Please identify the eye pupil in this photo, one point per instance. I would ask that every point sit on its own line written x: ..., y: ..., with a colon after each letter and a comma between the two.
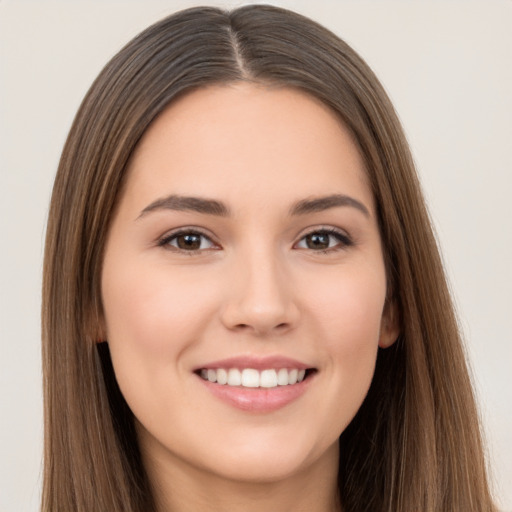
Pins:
x: 318, y: 241
x: 189, y: 241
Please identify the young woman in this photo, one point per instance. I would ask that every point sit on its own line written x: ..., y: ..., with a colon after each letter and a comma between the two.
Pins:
x: 244, y: 304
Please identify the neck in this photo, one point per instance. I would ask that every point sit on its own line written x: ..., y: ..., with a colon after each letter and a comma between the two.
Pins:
x: 179, y: 487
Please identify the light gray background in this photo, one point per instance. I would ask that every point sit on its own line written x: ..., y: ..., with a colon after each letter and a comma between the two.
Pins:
x: 447, y: 67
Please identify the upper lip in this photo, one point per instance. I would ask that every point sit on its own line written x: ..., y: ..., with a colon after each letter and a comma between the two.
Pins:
x: 257, y: 363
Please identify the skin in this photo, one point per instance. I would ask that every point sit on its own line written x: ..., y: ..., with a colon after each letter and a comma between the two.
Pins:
x: 256, y: 287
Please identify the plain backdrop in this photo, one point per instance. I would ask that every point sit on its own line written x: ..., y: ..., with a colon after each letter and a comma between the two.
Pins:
x: 447, y: 67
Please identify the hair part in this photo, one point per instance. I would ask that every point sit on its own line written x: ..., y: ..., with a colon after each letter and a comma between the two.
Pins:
x: 415, y: 443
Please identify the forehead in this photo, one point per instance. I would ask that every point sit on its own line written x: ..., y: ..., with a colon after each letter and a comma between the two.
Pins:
x: 239, y: 140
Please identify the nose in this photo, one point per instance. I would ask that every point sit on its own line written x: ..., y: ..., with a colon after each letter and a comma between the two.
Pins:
x: 260, y: 299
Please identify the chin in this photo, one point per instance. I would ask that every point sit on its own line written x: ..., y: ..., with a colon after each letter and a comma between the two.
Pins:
x: 267, y: 461
x: 263, y: 469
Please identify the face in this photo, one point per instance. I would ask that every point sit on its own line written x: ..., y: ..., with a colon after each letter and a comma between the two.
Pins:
x: 244, y: 285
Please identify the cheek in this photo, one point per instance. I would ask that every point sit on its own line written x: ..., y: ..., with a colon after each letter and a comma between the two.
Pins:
x: 153, y: 308
x: 153, y: 316
x: 346, y: 319
x: 348, y: 308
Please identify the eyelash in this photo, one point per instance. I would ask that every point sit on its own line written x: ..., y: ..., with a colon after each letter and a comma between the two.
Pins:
x: 167, y: 239
x: 344, y: 241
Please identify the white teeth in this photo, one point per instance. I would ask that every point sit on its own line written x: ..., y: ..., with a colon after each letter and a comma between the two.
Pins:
x: 268, y: 379
x: 282, y: 377
x: 251, y: 378
x: 234, y: 377
x: 222, y: 376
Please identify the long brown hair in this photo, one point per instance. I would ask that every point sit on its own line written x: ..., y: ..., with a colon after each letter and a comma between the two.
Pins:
x: 415, y: 443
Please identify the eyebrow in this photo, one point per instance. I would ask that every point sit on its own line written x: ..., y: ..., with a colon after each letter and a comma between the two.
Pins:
x: 186, y: 203
x: 320, y: 204
x: 214, y: 207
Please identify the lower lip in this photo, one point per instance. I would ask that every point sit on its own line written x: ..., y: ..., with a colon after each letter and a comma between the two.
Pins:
x: 258, y: 400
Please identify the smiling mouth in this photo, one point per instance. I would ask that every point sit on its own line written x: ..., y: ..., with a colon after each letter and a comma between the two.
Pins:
x: 252, y: 378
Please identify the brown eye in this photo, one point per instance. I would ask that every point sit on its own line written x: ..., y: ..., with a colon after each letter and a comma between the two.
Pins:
x: 188, y: 241
x: 324, y: 240
x: 318, y: 241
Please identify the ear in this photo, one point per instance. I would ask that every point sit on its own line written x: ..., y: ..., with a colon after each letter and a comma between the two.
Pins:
x: 389, y: 325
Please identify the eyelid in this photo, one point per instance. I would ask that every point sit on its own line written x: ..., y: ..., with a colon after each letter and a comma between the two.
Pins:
x: 163, y: 241
x: 345, y: 240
